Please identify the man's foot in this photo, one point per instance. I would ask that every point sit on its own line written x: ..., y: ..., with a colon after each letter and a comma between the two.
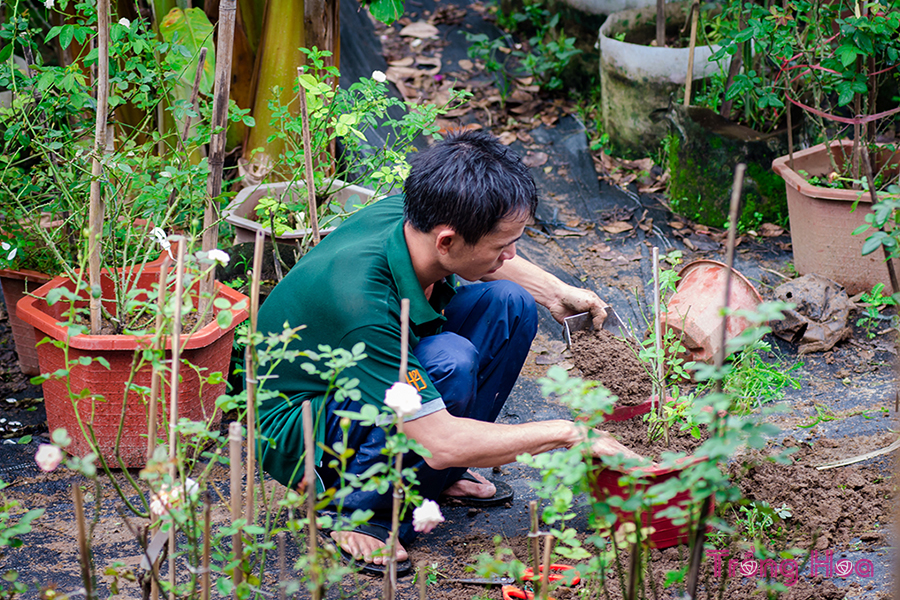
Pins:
x: 370, y: 549
x: 471, y: 489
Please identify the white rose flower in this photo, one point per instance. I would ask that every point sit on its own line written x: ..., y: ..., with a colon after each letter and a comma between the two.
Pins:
x: 220, y: 256
x: 379, y: 76
x: 170, y: 496
x: 427, y: 516
x: 403, y: 399
x: 48, y: 457
x: 48, y: 3
x: 124, y: 22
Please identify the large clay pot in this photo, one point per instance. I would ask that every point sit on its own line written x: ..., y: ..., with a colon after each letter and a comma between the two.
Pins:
x: 695, y: 311
x: 209, y: 349
x: 16, y: 284
x: 605, y: 483
x: 241, y: 212
x: 637, y: 79
x: 823, y: 220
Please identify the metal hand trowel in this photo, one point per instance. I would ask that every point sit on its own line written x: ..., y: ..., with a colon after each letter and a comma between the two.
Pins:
x: 583, y: 322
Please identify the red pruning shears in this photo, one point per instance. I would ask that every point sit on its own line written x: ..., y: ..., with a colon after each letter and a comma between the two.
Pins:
x: 558, y: 573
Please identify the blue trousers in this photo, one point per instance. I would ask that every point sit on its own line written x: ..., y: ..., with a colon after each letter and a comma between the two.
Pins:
x: 473, y: 363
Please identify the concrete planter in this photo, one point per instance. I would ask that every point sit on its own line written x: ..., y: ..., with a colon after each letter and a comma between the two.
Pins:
x: 636, y: 79
x: 241, y: 212
x: 822, y: 221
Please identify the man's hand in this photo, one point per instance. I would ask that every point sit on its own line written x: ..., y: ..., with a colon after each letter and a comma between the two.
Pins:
x: 571, y: 301
x: 606, y: 445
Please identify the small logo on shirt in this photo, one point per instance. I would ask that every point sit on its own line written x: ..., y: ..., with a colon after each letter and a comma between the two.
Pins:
x: 415, y: 379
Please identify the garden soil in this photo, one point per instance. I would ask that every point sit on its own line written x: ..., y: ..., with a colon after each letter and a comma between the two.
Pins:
x: 614, y: 362
x: 844, y: 405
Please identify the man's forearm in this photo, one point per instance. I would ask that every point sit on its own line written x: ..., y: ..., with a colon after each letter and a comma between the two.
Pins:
x: 457, y: 442
x: 536, y: 281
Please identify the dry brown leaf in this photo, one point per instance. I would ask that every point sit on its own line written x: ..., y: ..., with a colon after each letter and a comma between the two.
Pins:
x: 430, y: 61
x: 770, y: 230
x: 507, y: 137
x: 520, y: 97
x: 457, y: 112
x: 535, y: 159
x: 599, y: 248
x: 466, y: 64
x: 617, y: 227
x: 526, y: 81
x: 419, y: 29
x: 676, y: 225
x: 568, y: 233
x: 549, y: 120
x: 547, y: 359
x: 524, y: 137
x: 526, y: 108
x: 406, y: 61
x: 395, y: 74
x: 646, y: 225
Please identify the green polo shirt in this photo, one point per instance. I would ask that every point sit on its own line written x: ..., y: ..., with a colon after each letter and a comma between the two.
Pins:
x: 346, y: 290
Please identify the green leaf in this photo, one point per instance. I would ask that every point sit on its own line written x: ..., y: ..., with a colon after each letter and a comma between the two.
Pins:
x: 191, y: 29
x: 873, y: 243
x: 224, y: 319
x: 65, y: 36
x: 25, y: 439
x: 386, y: 11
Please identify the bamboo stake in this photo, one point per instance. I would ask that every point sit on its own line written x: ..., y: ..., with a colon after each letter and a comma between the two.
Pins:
x: 224, y: 48
x: 534, y: 534
x: 204, y: 574
x: 421, y: 578
x: 83, y: 549
x: 656, y: 405
x: 307, y: 155
x: 660, y: 23
x: 235, y: 440
x: 156, y: 376
x: 693, y: 576
x: 250, y: 375
x: 282, y: 566
x: 96, y: 208
x: 545, y: 574
x: 173, y: 397
x: 695, y: 16
x: 310, y: 478
x: 390, y: 578
x: 195, y: 93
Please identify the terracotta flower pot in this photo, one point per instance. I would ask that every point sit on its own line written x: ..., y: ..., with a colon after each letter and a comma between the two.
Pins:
x: 605, y: 483
x: 695, y: 311
x: 209, y: 349
x: 15, y: 285
x: 822, y: 220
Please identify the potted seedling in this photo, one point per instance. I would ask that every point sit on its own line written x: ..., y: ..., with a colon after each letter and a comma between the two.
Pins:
x: 353, y: 118
x: 105, y: 315
x: 843, y: 62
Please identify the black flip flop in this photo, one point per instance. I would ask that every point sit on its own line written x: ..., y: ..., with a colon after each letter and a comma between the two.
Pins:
x: 379, y: 533
x: 503, y: 495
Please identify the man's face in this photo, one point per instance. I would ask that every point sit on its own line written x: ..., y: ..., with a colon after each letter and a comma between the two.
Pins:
x: 472, y: 262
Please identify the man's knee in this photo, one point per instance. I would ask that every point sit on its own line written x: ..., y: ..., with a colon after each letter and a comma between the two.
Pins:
x: 519, y: 303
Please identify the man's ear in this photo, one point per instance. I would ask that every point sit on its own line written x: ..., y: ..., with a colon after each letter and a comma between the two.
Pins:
x: 445, y: 238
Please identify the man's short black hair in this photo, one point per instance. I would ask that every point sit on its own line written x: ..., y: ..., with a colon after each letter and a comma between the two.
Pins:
x: 468, y: 181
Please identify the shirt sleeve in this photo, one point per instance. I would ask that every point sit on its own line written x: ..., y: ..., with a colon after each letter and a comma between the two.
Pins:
x: 381, y: 368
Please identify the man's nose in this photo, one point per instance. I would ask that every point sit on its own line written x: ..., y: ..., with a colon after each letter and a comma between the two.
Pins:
x: 509, y: 253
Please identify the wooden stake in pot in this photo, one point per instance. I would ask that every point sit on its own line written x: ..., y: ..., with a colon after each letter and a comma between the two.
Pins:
x: 534, y: 534
x: 219, y: 123
x: 310, y: 479
x: 250, y: 366
x: 235, y: 441
x: 84, y: 556
x: 390, y: 575
x: 157, y: 376
x: 307, y: 154
x: 96, y: 207
x: 660, y: 23
x: 695, y: 16
x: 173, y: 390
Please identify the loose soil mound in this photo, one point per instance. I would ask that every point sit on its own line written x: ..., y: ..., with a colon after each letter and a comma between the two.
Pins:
x: 829, y: 508
x: 633, y: 434
x: 612, y: 361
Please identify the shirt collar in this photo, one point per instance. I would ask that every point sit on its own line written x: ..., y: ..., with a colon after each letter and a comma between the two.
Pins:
x: 420, y: 311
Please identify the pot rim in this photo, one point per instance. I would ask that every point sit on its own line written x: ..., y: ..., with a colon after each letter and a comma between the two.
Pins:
x: 702, y: 261
x: 29, y: 312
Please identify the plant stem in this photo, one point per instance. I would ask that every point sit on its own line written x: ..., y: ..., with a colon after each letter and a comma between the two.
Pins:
x: 95, y: 218
x: 310, y: 479
x: 204, y: 573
